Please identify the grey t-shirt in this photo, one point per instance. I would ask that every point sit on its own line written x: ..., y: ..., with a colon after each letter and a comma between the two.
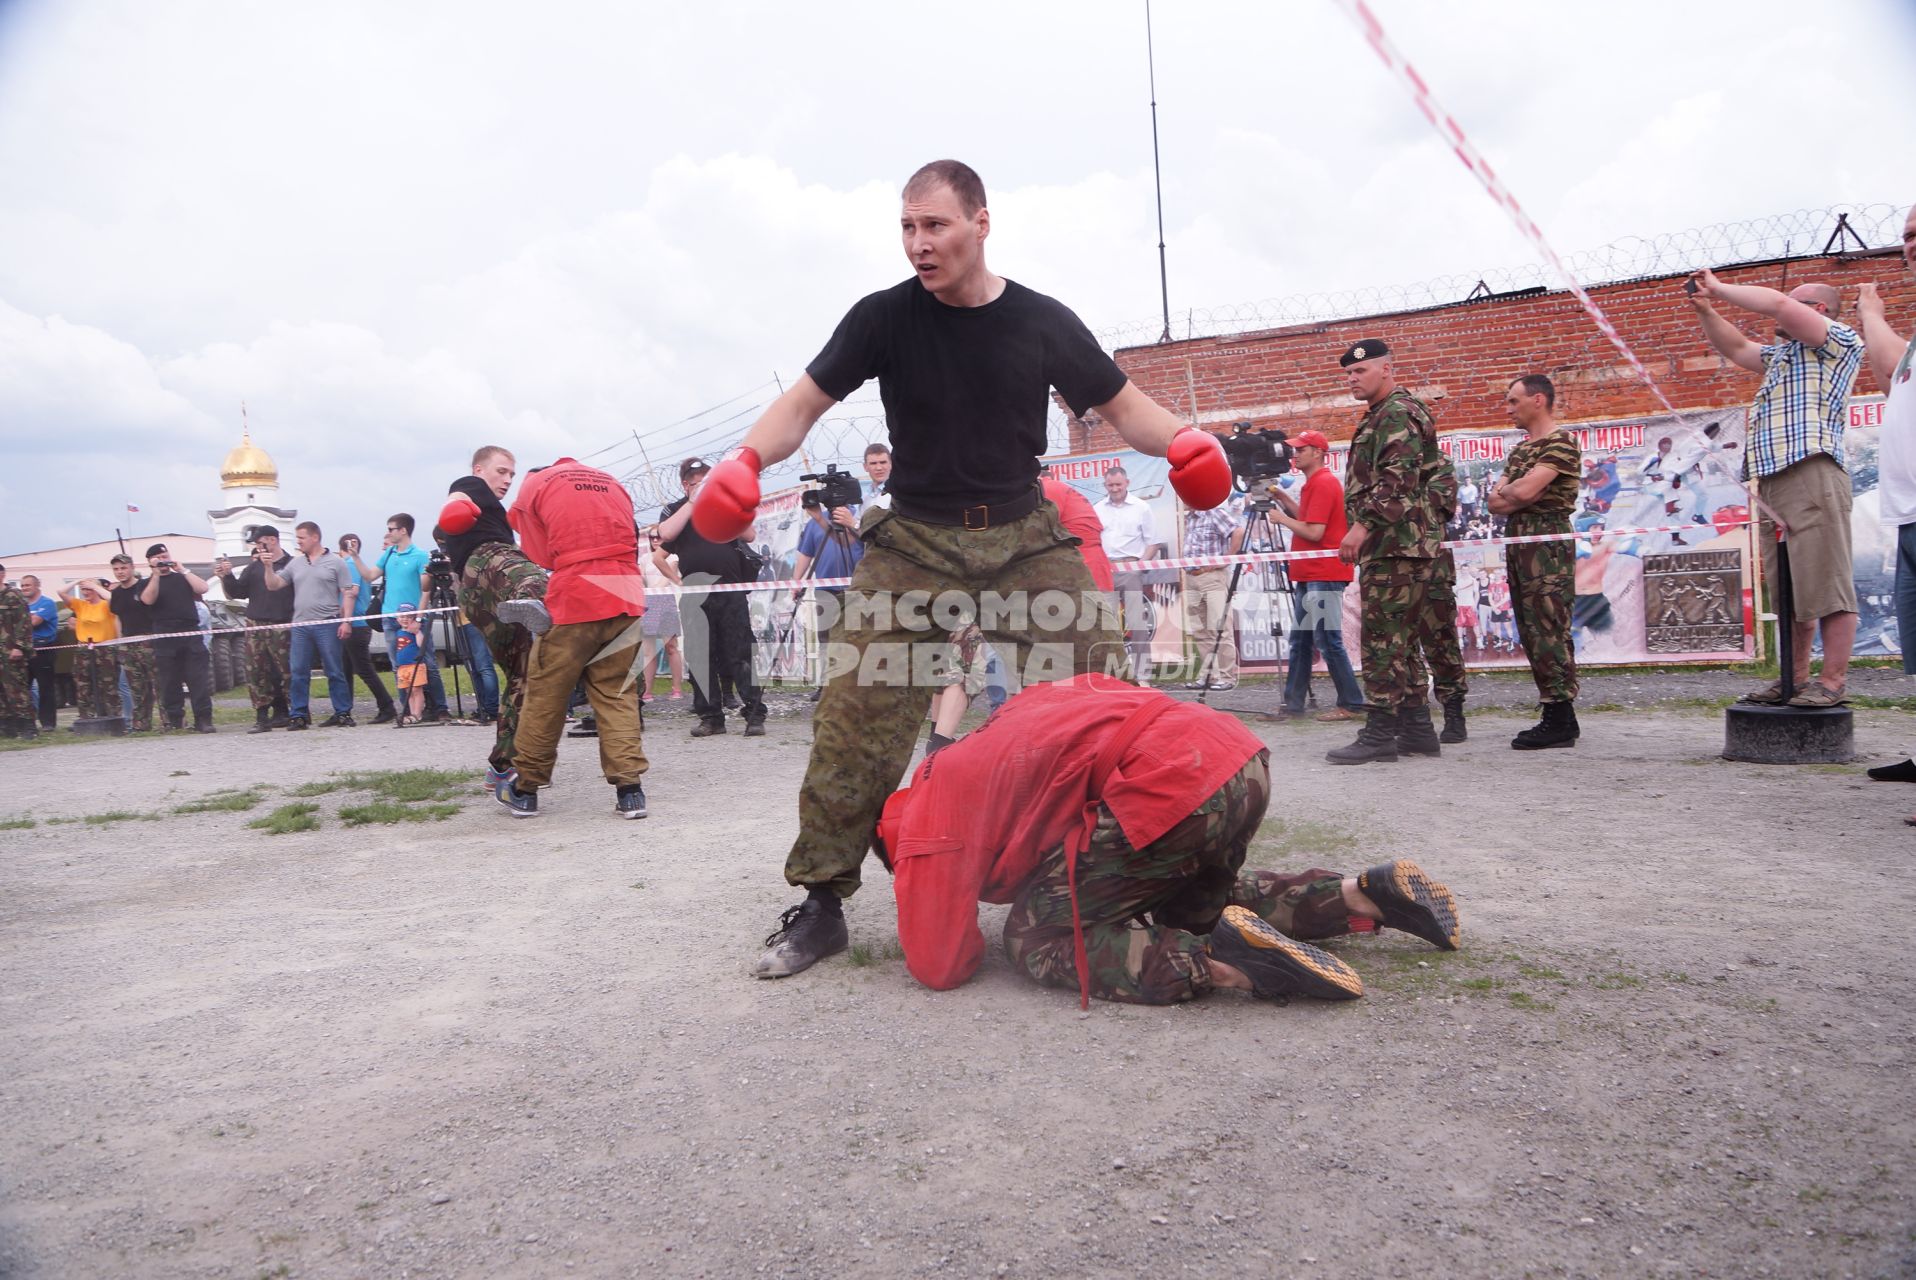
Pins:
x: 316, y: 586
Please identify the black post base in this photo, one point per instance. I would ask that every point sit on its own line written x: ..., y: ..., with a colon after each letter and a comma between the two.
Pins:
x: 1789, y: 735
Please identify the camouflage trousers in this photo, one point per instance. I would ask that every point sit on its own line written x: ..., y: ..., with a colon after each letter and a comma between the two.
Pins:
x: 499, y: 571
x: 1147, y: 912
x: 889, y: 651
x: 1394, y: 606
x: 1542, y: 589
x: 96, y: 683
x: 268, y: 661
x: 137, y: 661
x: 16, y: 703
x: 1437, y: 630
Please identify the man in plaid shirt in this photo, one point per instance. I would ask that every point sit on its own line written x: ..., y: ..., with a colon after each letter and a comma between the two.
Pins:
x: 1795, y: 453
x: 1217, y: 532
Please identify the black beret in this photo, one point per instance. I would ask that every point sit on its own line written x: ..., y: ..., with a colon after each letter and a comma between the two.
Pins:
x: 1363, y: 349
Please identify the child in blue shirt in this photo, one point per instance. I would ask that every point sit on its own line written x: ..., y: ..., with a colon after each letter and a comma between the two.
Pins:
x: 409, y: 667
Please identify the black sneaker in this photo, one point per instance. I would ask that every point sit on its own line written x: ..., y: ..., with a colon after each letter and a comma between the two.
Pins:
x: 586, y: 728
x: 520, y: 804
x: 1413, y: 902
x: 806, y: 934
x: 530, y: 614
x: 755, y: 729
x: 1280, y: 967
x: 1904, y: 772
x: 298, y: 722
x: 386, y: 716
x: 706, y: 728
x: 204, y: 728
x: 631, y: 801
x: 339, y: 720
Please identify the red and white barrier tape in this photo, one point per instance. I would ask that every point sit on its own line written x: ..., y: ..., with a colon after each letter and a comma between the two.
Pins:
x: 1273, y: 557
x: 1467, y: 155
x: 251, y: 626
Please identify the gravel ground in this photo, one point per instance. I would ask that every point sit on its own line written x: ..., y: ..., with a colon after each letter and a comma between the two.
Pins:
x: 1677, y: 1040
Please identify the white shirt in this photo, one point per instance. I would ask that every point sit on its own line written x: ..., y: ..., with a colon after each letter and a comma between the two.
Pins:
x: 1896, y: 447
x: 1128, y: 527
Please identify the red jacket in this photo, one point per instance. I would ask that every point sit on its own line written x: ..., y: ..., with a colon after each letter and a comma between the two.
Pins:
x: 577, y: 522
x: 1082, y: 521
x: 981, y: 813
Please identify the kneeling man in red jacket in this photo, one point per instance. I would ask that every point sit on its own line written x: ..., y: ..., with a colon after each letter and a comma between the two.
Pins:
x: 1115, y: 820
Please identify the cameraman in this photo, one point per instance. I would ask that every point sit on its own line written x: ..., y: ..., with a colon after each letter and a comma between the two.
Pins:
x: 1317, y: 523
x: 171, y: 592
x: 829, y: 546
x: 402, y: 568
x: 718, y: 633
x: 268, y: 642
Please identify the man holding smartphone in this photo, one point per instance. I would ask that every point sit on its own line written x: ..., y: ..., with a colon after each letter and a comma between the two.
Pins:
x: 183, y: 671
x: 268, y: 642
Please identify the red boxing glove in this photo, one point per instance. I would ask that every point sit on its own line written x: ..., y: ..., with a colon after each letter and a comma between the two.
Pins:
x: 1199, y: 470
x: 459, y: 514
x: 728, y: 500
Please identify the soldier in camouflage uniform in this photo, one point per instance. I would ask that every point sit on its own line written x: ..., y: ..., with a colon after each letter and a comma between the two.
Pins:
x: 136, y: 660
x: 966, y: 362
x: 16, y: 650
x: 1125, y: 877
x: 502, y: 592
x: 269, y: 644
x: 1398, y: 492
x: 1538, y: 495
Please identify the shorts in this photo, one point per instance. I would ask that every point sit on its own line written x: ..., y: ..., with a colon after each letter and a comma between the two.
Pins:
x: 1813, y: 497
x: 410, y: 675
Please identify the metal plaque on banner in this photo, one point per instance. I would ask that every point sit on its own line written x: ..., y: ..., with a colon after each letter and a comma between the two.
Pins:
x: 1692, y: 601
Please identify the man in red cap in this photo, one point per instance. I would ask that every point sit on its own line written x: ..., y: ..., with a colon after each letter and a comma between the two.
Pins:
x: 1115, y: 821
x: 1317, y: 522
x: 577, y: 521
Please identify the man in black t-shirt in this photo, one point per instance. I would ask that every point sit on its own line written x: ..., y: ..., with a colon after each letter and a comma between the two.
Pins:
x: 135, y: 619
x: 965, y: 361
x: 718, y: 634
x: 180, y: 662
x: 502, y: 592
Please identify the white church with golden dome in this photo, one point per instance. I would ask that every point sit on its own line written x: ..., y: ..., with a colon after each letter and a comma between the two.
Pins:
x: 250, y: 482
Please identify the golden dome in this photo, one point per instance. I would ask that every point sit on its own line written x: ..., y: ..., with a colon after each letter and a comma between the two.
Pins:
x: 248, y: 465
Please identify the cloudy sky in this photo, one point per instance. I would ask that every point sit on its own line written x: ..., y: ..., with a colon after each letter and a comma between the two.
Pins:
x: 398, y: 231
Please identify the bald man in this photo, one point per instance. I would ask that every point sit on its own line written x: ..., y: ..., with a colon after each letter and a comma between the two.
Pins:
x: 1795, y: 454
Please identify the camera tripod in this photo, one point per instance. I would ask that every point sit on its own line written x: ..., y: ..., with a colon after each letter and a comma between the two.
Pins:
x: 442, y: 595
x: 1274, y: 579
x: 837, y: 537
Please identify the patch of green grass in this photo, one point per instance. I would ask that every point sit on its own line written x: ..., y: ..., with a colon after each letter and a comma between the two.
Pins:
x: 17, y: 824
x: 1303, y: 836
x: 1675, y: 976
x: 1524, y: 1000
x: 230, y: 800
x: 408, y: 786
x: 1481, y: 984
x: 1529, y: 970
x: 288, y: 818
x: 860, y: 956
x: 319, y: 788
x: 1615, y: 981
x: 118, y: 815
x: 180, y: 773
x: 390, y: 811
x: 1813, y: 1194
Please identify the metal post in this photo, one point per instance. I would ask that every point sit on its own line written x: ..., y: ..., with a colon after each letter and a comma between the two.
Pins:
x: 1785, y: 621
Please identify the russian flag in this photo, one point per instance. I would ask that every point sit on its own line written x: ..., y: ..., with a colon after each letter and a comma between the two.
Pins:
x: 133, y: 510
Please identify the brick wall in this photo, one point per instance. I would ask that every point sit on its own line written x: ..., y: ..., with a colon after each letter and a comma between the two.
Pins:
x: 1462, y: 358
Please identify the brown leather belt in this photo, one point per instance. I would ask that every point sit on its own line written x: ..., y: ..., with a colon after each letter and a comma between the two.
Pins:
x: 982, y: 516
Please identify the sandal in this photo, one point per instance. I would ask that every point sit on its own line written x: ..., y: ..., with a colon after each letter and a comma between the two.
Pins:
x: 1769, y: 696
x: 1817, y: 694
x: 407, y: 722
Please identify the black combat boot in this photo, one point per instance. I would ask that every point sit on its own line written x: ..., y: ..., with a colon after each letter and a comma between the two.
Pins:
x: 1416, y: 736
x: 1377, y: 740
x: 279, y: 719
x: 1454, y: 730
x: 262, y: 720
x: 1558, y: 728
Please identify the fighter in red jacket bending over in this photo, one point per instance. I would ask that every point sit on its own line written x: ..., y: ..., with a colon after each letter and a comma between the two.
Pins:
x: 1091, y: 805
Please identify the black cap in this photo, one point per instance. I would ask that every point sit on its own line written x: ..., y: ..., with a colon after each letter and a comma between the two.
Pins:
x: 1363, y: 349
x: 157, y: 549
